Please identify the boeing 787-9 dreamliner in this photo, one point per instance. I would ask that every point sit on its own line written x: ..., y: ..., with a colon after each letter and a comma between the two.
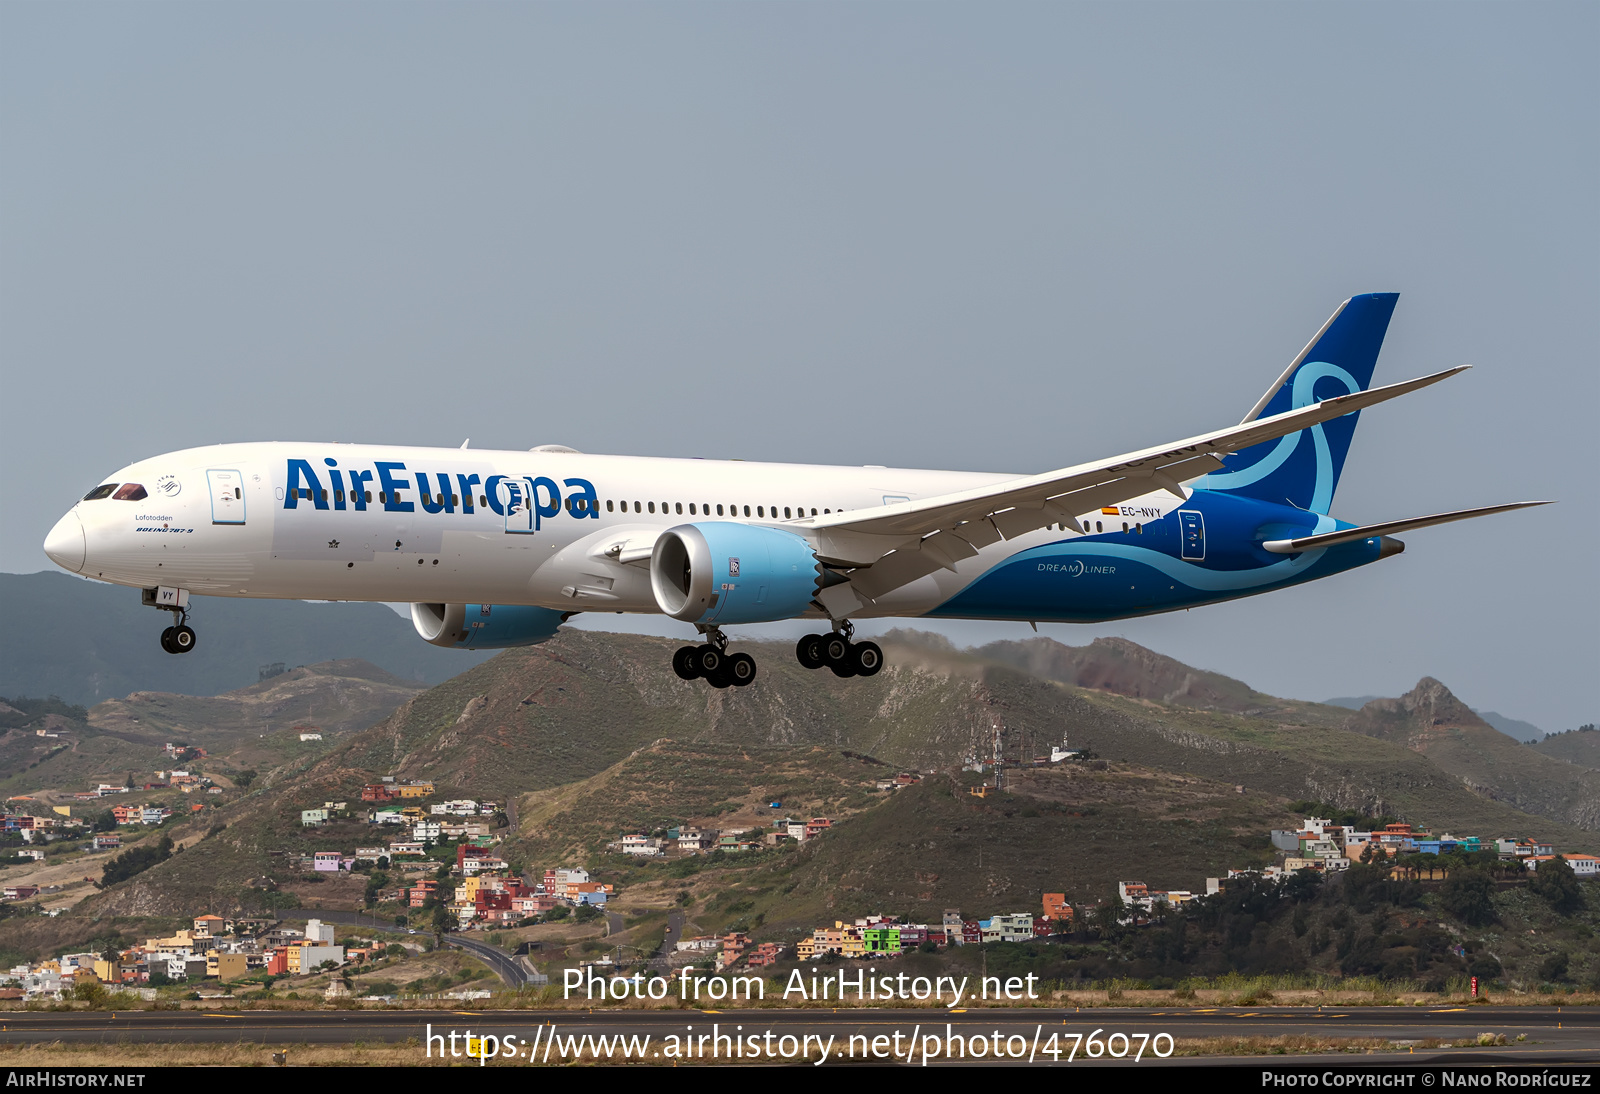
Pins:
x: 498, y: 548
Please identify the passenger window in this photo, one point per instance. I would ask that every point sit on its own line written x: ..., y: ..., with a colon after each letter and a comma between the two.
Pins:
x: 483, y: 500
x: 338, y: 496
x: 679, y: 508
x: 785, y: 512
x: 1139, y: 528
x: 760, y: 511
x: 813, y: 512
x: 1098, y: 527
x: 611, y: 506
x: 324, y: 497
x: 131, y: 491
x: 636, y: 507
x: 455, y: 500
x: 367, y: 496
x: 691, y: 509
x: 383, y: 496
x: 100, y: 492
x: 652, y: 507
x: 747, y: 510
x: 237, y: 493
x: 1124, y: 527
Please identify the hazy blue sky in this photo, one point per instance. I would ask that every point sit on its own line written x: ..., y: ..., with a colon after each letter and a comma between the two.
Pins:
x: 980, y: 236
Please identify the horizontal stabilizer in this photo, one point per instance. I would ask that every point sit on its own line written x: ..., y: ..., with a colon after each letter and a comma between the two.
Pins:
x: 1351, y: 535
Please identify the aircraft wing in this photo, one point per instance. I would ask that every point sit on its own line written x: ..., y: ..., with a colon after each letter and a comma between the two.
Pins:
x: 919, y: 537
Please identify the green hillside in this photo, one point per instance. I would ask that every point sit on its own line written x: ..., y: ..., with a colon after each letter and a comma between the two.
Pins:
x: 1431, y: 721
x: 257, y: 727
x: 667, y: 784
x: 589, y: 735
x: 1576, y: 746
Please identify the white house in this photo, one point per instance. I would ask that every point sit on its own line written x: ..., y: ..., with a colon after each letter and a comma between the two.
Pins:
x: 639, y: 845
x: 425, y: 830
x: 1583, y: 865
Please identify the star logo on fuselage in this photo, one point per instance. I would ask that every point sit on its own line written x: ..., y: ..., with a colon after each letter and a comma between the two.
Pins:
x: 333, y: 543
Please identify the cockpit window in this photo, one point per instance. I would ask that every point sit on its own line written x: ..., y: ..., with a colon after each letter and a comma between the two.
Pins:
x: 131, y: 491
x: 100, y: 492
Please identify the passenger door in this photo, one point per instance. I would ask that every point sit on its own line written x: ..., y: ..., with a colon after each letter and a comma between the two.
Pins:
x: 227, y: 496
x: 516, y: 498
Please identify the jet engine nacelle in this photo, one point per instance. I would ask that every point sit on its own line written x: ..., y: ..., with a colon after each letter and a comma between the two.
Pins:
x: 484, y: 626
x: 721, y: 572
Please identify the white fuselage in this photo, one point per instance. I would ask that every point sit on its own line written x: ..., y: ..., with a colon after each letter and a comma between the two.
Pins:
x: 222, y: 521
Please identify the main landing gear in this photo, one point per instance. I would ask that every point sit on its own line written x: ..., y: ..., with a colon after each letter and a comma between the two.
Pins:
x: 719, y: 668
x: 180, y: 637
x: 837, y: 652
x: 714, y: 663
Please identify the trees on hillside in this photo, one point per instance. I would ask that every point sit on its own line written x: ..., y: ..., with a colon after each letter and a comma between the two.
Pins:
x: 136, y: 861
x: 1466, y: 895
x: 1555, y: 881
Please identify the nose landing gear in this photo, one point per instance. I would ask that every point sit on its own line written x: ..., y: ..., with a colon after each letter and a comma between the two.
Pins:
x: 180, y: 637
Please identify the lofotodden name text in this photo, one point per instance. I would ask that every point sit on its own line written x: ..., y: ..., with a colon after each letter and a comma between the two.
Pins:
x: 841, y: 986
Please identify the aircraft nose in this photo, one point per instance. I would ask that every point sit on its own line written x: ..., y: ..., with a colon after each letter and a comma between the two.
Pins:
x: 64, y: 544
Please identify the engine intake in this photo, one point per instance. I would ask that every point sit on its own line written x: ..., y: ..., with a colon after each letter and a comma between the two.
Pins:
x: 721, y: 572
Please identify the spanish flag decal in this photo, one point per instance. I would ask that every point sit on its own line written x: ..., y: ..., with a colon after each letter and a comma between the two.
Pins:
x: 1111, y: 511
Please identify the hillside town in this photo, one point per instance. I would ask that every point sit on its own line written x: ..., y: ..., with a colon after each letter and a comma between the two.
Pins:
x: 1323, y: 846
x: 421, y: 879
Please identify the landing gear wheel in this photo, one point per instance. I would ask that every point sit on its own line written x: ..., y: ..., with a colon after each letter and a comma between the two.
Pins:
x: 711, y: 661
x: 182, y: 640
x: 843, y: 668
x: 808, y: 651
x: 686, y: 663
x: 166, y: 639
x: 835, y: 650
x: 741, y: 669
x: 866, y: 658
x: 721, y: 677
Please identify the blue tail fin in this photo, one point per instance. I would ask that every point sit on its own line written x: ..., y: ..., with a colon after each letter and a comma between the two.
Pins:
x: 1303, y: 468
